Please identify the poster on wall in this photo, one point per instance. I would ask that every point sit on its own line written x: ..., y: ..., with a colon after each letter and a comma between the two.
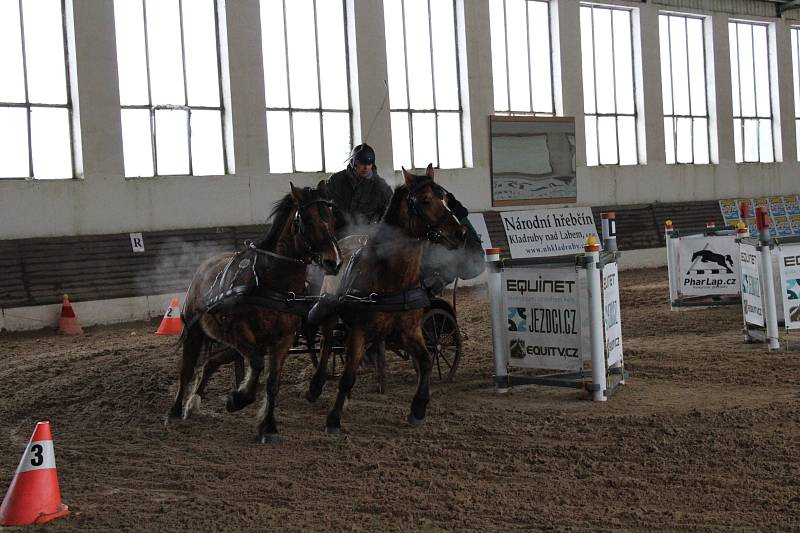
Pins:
x: 544, y: 318
x: 612, y: 318
x: 548, y: 232
x: 784, y: 213
x: 532, y: 160
x: 707, y: 266
x: 751, y: 285
x: 790, y: 284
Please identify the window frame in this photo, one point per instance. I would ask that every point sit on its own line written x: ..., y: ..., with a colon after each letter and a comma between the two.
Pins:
x: 409, y: 111
x: 319, y: 111
x: 185, y: 106
x: 532, y: 112
x: 616, y: 115
x: 691, y: 116
x: 755, y: 117
x: 29, y: 106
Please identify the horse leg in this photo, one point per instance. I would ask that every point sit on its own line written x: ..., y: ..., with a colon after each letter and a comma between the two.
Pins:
x: 380, y: 365
x: 192, y: 345
x: 355, y: 351
x: 245, y: 394
x: 415, y: 344
x: 321, y: 372
x: 213, y: 363
x: 267, y: 430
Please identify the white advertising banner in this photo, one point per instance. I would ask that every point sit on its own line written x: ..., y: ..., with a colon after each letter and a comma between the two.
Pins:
x: 790, y: 284
x: 548, y: 232
x: 612, y: 319
x: 751, y: 285
x: 707, y: 266
x: 544, y: 319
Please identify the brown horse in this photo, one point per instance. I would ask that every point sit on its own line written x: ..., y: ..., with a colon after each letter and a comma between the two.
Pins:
x: 268, y: 317
x: 382, y: 297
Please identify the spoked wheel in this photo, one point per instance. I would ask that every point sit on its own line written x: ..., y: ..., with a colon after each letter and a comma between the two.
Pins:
x: 443, y: 339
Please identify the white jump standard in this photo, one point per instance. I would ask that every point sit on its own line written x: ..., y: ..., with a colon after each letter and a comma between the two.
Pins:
x: 557, y: 313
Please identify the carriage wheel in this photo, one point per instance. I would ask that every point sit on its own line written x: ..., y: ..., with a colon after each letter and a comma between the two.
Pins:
x: 443, y: 339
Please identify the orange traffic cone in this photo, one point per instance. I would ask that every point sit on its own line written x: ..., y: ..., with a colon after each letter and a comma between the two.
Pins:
x: 34, y: 496
x: 68, y: 323
x: 171, y: 324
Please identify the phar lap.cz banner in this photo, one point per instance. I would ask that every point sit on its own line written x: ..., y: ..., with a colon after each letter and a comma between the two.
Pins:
x: 708, y: 266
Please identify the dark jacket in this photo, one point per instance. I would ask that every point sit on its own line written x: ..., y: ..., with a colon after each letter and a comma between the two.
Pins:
x: 358, y: 201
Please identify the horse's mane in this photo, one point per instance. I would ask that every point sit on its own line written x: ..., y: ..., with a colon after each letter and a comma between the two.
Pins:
x: 280, y: 211
x: 392, y: 214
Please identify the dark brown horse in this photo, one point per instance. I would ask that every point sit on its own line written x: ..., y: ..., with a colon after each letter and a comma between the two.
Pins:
x: 302, y: 231
x: 388, y: 272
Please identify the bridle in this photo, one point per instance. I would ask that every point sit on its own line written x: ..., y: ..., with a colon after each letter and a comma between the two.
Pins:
x: 432, y: 232
x: 313, y: 250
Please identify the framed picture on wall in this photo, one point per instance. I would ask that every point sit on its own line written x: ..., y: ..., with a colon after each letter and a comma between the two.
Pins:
x: 532, y: 160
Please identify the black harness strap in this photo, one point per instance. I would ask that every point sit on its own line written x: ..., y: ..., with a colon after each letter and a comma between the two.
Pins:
x: 406, y: 300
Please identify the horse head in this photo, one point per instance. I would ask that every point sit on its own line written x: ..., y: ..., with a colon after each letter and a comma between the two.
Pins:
x: 313, y: 227
x: 426, y: 211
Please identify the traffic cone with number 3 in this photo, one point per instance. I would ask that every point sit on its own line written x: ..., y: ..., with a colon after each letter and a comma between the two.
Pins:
x: 171, y: 324
x: 34, y: 496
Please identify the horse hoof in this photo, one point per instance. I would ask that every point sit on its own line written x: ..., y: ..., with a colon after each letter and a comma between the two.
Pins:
x: 236, y: 402
x: 414, y: 421
x: 269, y: 438
x: 312, y: 396
x: 192, y: 405
x: 380, y: 389
x: 333, y: 430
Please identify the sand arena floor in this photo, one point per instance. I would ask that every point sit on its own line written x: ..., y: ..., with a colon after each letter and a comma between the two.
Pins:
x: 705, y: 435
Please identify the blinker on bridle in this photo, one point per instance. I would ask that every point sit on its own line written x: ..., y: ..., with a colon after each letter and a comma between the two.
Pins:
x: 432, y: 232
x: 299, y: 227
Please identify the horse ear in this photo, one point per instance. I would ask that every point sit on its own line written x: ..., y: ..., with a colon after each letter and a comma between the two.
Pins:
x: 297, y: 194
x: 429, y: 171
x: 322, y: 188
x: 408, y: 177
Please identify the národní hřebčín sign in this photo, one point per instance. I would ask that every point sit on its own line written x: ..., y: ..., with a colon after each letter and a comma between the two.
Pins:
x: 548, y: 232
x: 544, y: 317
x: 708, y: 265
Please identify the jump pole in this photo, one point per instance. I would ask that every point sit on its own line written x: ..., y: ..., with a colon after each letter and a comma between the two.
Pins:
x: 673, y: 283
x: 495, y: 301
x: 768, y: 284
x: 592, y: 249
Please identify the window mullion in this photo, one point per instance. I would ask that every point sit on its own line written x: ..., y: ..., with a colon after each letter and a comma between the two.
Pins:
x: 594, y: 75
x: 288, y: 85
x: 528, y: 46
x: 25, y: 84
x: 614, y: 84
x: 408, y: 92
x: 150, y: 108
x: 508, y: 68
x: 755, y: 97
x: 185, y: 90
x: 689, y: 85
x: 674, y: 120
x: 739, y: 84
x: 319, y: 87
x: 433, y: 84
x: 458, y: 83
x: 347, y: 67
x: 219, y: 83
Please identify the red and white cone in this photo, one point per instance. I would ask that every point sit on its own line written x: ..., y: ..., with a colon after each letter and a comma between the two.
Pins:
x: 68, y: 323
x: 171, y: 324
x: 34, y: 496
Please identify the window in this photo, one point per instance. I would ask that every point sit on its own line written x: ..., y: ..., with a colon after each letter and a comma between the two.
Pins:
x: 424, y: 92
x: 35, y: 107
x: 684, y: 88
x: 752, y: 93
x: 307, y: 84
x: 795, y: 33
x: 522, y: 56
x: 169, y: 87
x: 608, y: 86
